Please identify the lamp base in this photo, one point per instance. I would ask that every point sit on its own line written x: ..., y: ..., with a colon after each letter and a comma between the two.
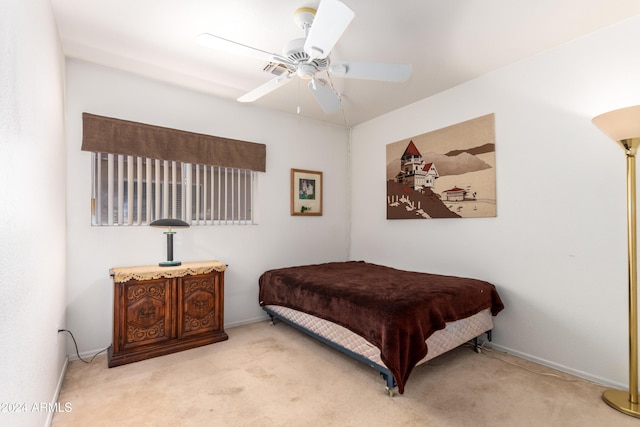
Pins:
x: 620, y: 400
x: 170, y: 263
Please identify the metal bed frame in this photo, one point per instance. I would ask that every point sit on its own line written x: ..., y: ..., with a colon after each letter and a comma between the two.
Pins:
x: 383, y: 370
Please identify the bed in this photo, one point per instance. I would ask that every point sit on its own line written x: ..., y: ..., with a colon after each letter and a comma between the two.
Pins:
x: 391, y: 319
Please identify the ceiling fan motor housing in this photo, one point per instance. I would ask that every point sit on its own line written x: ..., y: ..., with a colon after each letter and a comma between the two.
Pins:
x: 294, y: 52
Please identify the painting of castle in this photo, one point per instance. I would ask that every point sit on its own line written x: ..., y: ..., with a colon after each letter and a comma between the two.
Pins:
x: 447, y: 173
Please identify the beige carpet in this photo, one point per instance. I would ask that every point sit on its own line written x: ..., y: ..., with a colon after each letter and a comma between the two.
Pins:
x: 275, y: 376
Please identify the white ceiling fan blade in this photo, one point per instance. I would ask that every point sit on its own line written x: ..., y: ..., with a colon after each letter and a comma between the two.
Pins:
x: 220, y: 43
x: 326, y: 97
x: 372, y: 71
x: 266, y: 88
x: 331, y: 20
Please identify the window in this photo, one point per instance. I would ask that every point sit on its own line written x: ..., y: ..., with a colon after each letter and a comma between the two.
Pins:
x: 133, y: 190
x: 143, y: 172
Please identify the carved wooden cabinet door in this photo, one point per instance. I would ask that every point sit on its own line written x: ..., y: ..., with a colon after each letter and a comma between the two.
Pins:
x: 200, y: 301
x: 161, y: 310
x: 146, y: 316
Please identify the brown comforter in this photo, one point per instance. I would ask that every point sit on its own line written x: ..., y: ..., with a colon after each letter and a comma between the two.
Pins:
x: 395, y: 310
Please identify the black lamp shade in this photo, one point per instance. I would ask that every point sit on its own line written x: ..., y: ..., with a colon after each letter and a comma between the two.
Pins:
x: 169, y: 223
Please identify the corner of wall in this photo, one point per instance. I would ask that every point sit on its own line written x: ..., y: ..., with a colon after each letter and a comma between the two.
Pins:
x: 349, y: 190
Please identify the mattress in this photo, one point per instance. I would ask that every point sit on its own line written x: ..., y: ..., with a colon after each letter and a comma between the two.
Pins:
x: 441, y: 341
x: 394, y: 310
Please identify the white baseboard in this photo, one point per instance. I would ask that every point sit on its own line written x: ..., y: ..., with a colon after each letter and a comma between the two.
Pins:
x: 56, y: 392
x: 247, y: 321
x: 562, y: 368
x: 87, y: 355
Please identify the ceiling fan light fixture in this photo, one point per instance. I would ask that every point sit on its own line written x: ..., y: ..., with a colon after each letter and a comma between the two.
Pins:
x: 306, y: 71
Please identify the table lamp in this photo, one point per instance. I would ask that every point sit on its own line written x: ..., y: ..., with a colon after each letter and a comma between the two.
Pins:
x: 169, y: 223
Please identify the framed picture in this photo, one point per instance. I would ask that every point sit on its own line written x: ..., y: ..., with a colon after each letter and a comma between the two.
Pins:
x: 446, y: 173
x: 306, y: 192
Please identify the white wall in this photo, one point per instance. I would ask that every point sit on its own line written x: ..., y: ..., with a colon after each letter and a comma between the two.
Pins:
x: 32, y: 211
x: 278, y: 240
x: 557, y: 248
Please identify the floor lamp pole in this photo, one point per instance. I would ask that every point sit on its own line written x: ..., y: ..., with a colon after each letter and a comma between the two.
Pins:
x: 623, y: 126
x: 627, y: 402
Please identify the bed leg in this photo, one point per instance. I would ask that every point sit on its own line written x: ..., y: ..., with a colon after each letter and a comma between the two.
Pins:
x: 476, y: 346
x: 273, y: 320
x: 391, y: 383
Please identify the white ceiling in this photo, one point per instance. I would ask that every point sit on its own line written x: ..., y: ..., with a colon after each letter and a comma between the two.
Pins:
x: 447, y: 42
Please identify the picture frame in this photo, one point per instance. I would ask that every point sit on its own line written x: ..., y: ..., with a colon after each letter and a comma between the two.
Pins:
x: 306, y: 192
x: 445, y: 173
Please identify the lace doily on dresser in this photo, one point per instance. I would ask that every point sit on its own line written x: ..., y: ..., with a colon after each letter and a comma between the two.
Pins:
x: 146, y: 272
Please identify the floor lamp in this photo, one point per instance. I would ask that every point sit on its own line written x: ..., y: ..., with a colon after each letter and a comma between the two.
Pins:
x: 623, y: 126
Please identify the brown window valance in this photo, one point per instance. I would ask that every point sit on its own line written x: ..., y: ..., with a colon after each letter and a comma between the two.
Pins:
x: 108, y: 135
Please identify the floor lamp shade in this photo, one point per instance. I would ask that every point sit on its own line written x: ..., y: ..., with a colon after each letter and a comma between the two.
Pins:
x: 169, y: 223
x: 623, y: 126
x: 620, y: 124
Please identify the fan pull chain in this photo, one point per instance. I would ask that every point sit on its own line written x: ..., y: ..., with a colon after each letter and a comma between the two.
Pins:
x: 298, y: 108
x: 333, y: 88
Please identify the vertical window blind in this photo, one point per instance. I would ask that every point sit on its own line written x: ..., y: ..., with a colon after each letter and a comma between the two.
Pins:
x: 130, y: 188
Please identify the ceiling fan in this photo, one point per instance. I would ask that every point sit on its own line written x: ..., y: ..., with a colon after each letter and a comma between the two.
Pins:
x: 306, y: 57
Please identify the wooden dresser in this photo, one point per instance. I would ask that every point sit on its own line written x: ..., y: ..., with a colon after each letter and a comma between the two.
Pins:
x: 162, y: 310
